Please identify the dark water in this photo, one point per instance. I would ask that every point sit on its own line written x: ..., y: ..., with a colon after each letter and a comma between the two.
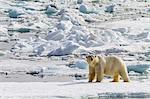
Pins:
x: 119, y: 96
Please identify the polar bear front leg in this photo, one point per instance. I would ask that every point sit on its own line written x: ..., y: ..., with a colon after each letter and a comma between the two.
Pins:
x: 91, y: 74
x: 91, y: 77
x: 99, y: 74
x: 99, y: 77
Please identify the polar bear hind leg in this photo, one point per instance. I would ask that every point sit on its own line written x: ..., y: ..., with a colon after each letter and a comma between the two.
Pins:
x: 124, y: 75
x: 116, y: 77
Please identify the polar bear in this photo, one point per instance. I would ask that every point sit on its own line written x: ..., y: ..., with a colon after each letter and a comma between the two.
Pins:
x: 107, y: 65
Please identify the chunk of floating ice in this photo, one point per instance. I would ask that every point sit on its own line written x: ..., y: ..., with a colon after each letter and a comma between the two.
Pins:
x: 23, y: 30
x: 56, y: 35
x: 83, y: 9
x: 110, y: 8
x: 81, y: 64
x: 2, y: 53
x: 140, y: 68
x: 79, y: 1
x: 50, y: 10
x: 4, y: 37
x: 64, y: 25
x: 14, y: 13
x: 22, y: 46
x: 67, y: 49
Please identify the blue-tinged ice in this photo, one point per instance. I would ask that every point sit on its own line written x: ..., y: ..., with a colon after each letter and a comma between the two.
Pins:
x: 140, y: 68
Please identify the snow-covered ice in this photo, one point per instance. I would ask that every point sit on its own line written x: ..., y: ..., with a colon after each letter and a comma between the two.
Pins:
x: 74, y: 90
x: 43, y: 44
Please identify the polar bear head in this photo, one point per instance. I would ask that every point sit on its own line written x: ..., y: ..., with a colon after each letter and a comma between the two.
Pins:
x: 94, y: 61
x: 89, y: 58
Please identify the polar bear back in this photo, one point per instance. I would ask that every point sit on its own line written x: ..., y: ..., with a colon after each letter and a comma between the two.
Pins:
x: 113, y: 64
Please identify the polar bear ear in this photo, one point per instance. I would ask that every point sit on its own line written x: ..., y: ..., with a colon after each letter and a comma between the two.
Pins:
x: 86, y: 57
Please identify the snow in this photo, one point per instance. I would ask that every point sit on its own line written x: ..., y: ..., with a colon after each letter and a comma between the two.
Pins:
x: 120, y: 33
x: 22, y: 46
x: 47, y: 41
x: 64, y: 50
x: 64, y: 25
x: 56, y: 35
x: 4, y: 37
x: 70, y: 25
x: 76, y: 90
